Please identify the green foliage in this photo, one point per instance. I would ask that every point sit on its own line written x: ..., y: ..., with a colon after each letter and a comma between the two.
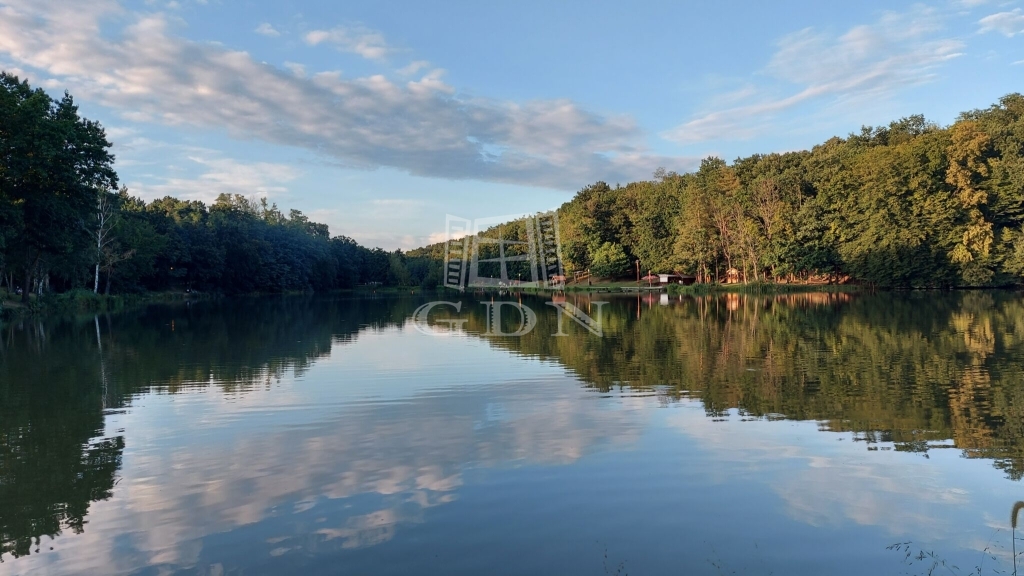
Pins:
x: 51, y: 163
x: 908, y: 205
x: 609, y: 261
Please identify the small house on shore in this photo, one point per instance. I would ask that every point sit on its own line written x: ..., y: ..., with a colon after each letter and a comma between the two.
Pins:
x: 665, y: 279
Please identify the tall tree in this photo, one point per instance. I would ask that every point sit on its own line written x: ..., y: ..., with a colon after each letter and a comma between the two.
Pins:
x: 106, y: 217
x: 968, y: 166
x: 53, y: 161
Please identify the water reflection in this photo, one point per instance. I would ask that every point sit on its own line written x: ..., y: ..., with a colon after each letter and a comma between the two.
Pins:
x: 58, y: 380
x: 54, y: 462
x: 274, y: 435
x: 913, y: 369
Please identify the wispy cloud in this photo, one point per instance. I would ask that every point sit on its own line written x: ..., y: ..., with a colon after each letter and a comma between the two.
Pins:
x: 813, y: 67
x: 267, y: 30
x: 413, y: 67
x: 358, y: 40
x: 422, y: 126
x: 298, y: 70
x: 218, y: 176
x: 833, y: 483
x: 1006, y: 23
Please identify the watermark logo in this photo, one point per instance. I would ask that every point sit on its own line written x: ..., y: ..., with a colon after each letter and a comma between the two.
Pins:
x: 526, y: 318
x: 421, y: 323
x: 505, y: 253
x: 580, y: 317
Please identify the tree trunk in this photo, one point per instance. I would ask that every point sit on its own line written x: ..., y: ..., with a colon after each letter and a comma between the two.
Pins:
x: 26, y: 288
x: 99, y: 250
x: 106, y: 290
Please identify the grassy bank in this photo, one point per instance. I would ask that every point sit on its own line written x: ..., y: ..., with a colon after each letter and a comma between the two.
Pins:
x: 390, y: 289
x: 84, y: 301
x: 760, y: 288
x: 677, y: 289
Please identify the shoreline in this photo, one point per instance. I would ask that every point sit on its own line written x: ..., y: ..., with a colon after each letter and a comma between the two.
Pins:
x: 85, y: 302
x: 749, y: 288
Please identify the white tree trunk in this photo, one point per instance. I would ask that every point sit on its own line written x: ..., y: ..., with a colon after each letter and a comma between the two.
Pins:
x: 105, y: 214
x: 99, y: 249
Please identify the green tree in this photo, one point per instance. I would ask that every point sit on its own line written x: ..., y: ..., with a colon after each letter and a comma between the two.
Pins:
x: 52, y: 161
x: 610, y: 261
x: 968, y: 167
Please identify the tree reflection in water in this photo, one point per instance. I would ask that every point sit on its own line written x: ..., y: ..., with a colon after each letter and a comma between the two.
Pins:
x: 923, y: 371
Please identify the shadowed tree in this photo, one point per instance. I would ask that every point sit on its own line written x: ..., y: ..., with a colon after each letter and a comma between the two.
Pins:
x: 53, y: 162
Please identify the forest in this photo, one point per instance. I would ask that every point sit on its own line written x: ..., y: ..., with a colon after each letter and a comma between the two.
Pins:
x: 908, y: 205
x: 65, y: 224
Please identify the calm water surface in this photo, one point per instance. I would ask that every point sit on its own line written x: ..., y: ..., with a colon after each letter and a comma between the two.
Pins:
x: 801, y: 434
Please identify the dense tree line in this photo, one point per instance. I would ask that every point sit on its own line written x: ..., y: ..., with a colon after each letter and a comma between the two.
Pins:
x: 237, y: 245
x: 911, y: 204
x: 65, y: 225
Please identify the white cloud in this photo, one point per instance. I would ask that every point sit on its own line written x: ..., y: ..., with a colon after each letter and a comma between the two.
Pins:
x: 438, y: 237
x: 422, y: 126
x: 120, y: 133
x: 830, y: 485
x: 296, y: 69
x: 378, y: 238
x: 267, y: 30
x: 1007, y: 23
x: 413, y: 67
x: 358, y: 40
x: 868, y: 62
x: 221, y: 176
x: 388, y: 217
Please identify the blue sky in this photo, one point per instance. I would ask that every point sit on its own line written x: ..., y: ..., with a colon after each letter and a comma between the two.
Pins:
x: 379, y: 118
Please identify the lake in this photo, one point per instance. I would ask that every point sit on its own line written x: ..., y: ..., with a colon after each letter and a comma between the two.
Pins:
x: 838, y: 433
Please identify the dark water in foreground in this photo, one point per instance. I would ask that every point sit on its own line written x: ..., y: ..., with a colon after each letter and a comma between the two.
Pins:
x: 799, y: 434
